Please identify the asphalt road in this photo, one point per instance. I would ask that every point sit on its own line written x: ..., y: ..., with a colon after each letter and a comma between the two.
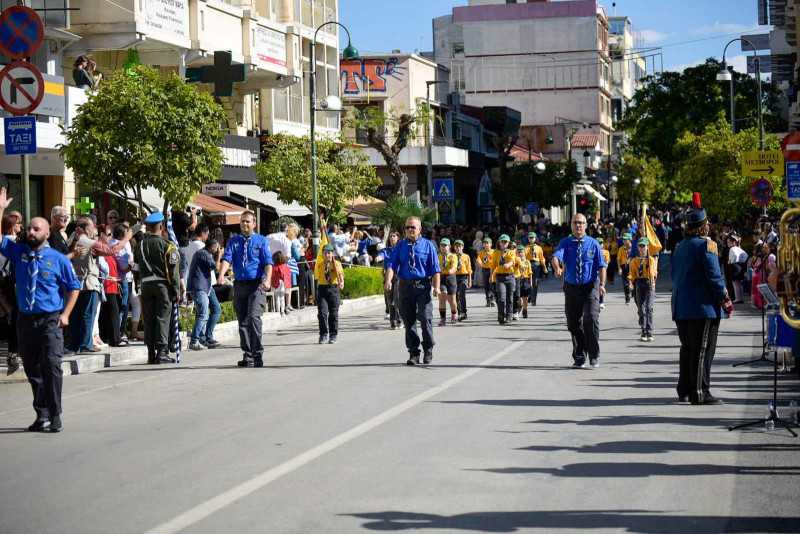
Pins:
x: 497, y: 435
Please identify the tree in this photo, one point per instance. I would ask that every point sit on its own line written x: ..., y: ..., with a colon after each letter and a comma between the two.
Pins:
x: 651, y: 188
x: 381, y: 127
x: 343, y: 172
x: 522, y: 184
x: 397, y: 209
x: 712, y: 166
x: 141, y: 129
x: 671, y: 103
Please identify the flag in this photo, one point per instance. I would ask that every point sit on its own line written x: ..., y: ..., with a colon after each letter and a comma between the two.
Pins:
x: 323, y: 240
x: 293, y: 267
x: 650, y: 234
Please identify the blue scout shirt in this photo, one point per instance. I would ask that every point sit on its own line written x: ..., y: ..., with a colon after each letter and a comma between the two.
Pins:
x: 54, y: 273
x: 698, y: 286
x: 414, y: 261
x: 248, y: 256
x: 590, y: 262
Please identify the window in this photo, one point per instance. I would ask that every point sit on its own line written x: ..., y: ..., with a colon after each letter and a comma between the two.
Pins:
x: 458, y: 48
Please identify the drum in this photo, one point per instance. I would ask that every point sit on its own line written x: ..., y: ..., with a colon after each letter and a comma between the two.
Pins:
x: 779, y: 334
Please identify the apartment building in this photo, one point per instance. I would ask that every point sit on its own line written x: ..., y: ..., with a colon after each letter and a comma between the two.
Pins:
x: 549, y: 60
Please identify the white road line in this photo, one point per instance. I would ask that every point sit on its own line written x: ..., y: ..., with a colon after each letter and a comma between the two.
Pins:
x: 209, y: 507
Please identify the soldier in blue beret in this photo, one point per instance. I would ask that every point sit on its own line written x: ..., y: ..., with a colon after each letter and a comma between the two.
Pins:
x: 699, y: 298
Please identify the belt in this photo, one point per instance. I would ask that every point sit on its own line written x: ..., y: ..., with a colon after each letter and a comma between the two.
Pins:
x: 580, y: 285
x: 417, y: 283
x: 153, y: 278
x: 237, y: 281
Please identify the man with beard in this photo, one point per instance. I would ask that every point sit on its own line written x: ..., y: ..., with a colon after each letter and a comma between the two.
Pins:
x: 43, y: 276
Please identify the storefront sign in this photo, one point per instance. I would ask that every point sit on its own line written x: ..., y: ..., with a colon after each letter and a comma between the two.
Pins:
x: 241, y: 154
x: 270, y: 46
x: 168, y: 16
x: 215, y: 190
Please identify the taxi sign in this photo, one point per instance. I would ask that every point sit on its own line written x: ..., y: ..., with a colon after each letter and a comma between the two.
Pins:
x: 763, y: 163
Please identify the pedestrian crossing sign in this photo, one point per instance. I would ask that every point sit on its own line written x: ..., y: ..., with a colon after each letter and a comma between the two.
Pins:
x: 443, y: 189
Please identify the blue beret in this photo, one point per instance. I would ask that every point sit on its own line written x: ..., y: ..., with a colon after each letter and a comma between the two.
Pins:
x: 154, y: 218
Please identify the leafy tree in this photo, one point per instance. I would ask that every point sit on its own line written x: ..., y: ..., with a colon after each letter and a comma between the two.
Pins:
x: 671, y: 103
x: 388, y: 133
x: 651, y: 188
x: 343, y: 172
x: 712, y: 166
x: 397, y: 209
x: 522, y: 184
x: 142, y: 129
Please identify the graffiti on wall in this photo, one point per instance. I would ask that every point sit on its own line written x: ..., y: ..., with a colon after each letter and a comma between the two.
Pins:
x: 364, y: 76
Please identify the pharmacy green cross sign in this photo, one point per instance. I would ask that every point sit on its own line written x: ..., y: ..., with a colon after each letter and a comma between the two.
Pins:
x: 85, y: 205
x: 222, y: 74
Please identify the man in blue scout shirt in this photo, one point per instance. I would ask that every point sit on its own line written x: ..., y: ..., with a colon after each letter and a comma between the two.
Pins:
x: 250, y: 256
x: 581, y: 258
x: 43, y: 277
x: 699, y: 298
x: 415, y: 260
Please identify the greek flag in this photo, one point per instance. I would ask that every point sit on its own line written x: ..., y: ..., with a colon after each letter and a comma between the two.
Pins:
x: 176, y: 329
x: 293, y: 268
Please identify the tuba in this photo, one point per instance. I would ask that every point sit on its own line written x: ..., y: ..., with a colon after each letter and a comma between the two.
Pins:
x: 788, y: 255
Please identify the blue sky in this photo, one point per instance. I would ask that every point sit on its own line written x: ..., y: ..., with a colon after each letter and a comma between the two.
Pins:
x: 383, y: 25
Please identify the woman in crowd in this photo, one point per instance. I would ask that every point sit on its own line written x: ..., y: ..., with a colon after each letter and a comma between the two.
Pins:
x: 763, y: 264
x: 11, y: 228
x: 81, y: 77
x: 109, y: 309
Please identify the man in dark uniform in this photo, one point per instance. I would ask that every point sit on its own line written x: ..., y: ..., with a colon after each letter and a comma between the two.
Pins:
x: 159, y: 267
x: 698, y: 300
x: 415, y: 260
x: 581, y: 257
x: 43, y: 277
x: 250, y: 256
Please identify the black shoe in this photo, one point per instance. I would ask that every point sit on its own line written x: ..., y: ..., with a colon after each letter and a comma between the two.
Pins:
x: 524, y: 314
x: 55, y: 424
x: 501, y: 320
x: 244, y: 362
x: 165, y: 358
x: 709, y: 400
x: 683, y: 398
x: 428, y: 357
x: 594, y: 362
x: 413, y: 360
x: 332, y: 341
x: 151, y: 359
x: 39, y: 425
x: 258, y: 363
x: 579, y: 364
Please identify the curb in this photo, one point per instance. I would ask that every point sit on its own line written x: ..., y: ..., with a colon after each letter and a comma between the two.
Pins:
x: 223, y: 332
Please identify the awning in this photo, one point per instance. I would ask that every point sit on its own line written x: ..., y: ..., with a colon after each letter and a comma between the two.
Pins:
x: 270, y: 199
x: 590, y: 189
x: 150, y: 197
x: 362, y: 208
x: 221, y: 212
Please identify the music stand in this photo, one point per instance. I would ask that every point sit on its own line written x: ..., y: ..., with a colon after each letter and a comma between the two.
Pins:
x: 763, y: 357
x: 774, y: 307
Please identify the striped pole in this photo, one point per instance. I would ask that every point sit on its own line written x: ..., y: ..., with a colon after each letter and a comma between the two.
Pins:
x: 176, y: 329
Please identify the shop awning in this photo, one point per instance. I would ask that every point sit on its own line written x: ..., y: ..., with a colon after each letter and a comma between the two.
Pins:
x: 592, y: 190
x: 221, y: 212
x: 362, y: 208
x: 269, y: 199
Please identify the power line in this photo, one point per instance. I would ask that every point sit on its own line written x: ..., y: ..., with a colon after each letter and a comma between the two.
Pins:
x: 704, y: 39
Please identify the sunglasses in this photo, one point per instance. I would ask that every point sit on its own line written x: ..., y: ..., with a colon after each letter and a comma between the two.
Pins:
x: 411, y: 227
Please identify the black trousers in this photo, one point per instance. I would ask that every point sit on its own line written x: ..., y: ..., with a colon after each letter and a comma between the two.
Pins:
x: 612, y: 269
x: 462, y: 280
x: 505, y: 295
x: 109, y: 320
x: 328, y: 310
x: 489, y: 287
x: 391, y: 300
x: 582, y: 307
x: 626, y: 269
x: 41, y: 345
x: 517, y: 295
x: 698, y: 344
x: 537, y: 273
x: 416, y: 305
x: 248, y: 303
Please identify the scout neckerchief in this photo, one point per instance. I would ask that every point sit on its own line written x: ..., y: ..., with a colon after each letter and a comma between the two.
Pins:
x: 244, y: 250
x: 642, y: 260
x: 412, y: 255
x: 578, y: 254
x: 328, y: 272
x: 458, y: 262
x: 33, y: 271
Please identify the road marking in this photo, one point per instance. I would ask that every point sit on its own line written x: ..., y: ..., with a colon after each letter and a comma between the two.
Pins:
x: 215, y: 504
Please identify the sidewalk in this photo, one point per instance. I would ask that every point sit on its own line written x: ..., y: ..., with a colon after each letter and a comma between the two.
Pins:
x: 136, y: 352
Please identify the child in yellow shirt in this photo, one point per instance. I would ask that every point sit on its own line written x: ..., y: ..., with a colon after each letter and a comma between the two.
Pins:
x: 448, y: 262
x: 642, y: 279
x: 463, y: 278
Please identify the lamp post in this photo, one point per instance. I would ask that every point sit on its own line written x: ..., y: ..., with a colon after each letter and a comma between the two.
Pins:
x: 429, y: 129
x: 726, y: 75
x: 331, y: 103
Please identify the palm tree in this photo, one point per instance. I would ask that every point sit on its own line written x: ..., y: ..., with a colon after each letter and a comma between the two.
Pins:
x: 397, y: 209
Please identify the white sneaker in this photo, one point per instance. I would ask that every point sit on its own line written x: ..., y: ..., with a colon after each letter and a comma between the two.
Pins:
x: 386, y: 317
x: 643, y: 338
x: 196, y: 346
x: 602, y: 306
x: 649, y: 338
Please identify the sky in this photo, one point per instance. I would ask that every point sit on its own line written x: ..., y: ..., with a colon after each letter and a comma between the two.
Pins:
x: 380, y: 26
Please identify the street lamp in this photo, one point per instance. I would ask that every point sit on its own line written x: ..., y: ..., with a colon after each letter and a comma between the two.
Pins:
x: 331, y: 103
x: 430, y: 140
x: 726, y: 75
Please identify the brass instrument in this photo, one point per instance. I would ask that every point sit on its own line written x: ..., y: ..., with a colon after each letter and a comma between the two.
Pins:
x: 788, y: 254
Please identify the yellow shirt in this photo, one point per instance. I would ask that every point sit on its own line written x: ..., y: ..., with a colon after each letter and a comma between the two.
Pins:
x: 525, y: 269
x: 534, y: 253
x: 649, y: 272
x: 622, y: 256
x: 611, y: 245
x: 448, y: 264
x: 466, y: 264
x: 336, y: 274
x: 499, y: 257
x: 483, y: 258
x: 606, y: 256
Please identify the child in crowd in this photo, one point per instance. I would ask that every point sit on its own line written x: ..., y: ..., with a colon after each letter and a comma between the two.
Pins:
x: 502, y: 265
x: 526, y: 280
x: 642, y: 279
x: 623, y: 265
x: 463, y: 278
x: 484, y: 257
x: 330, y: 275
x: 281, y: 281
x: 448, y: 262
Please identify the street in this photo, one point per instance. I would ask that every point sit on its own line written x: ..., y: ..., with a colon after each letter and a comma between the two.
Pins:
x: 497, y: 435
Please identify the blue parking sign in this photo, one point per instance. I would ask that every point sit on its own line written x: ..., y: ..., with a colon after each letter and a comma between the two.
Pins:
x: 20, y: 135
x: 793, y: 180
